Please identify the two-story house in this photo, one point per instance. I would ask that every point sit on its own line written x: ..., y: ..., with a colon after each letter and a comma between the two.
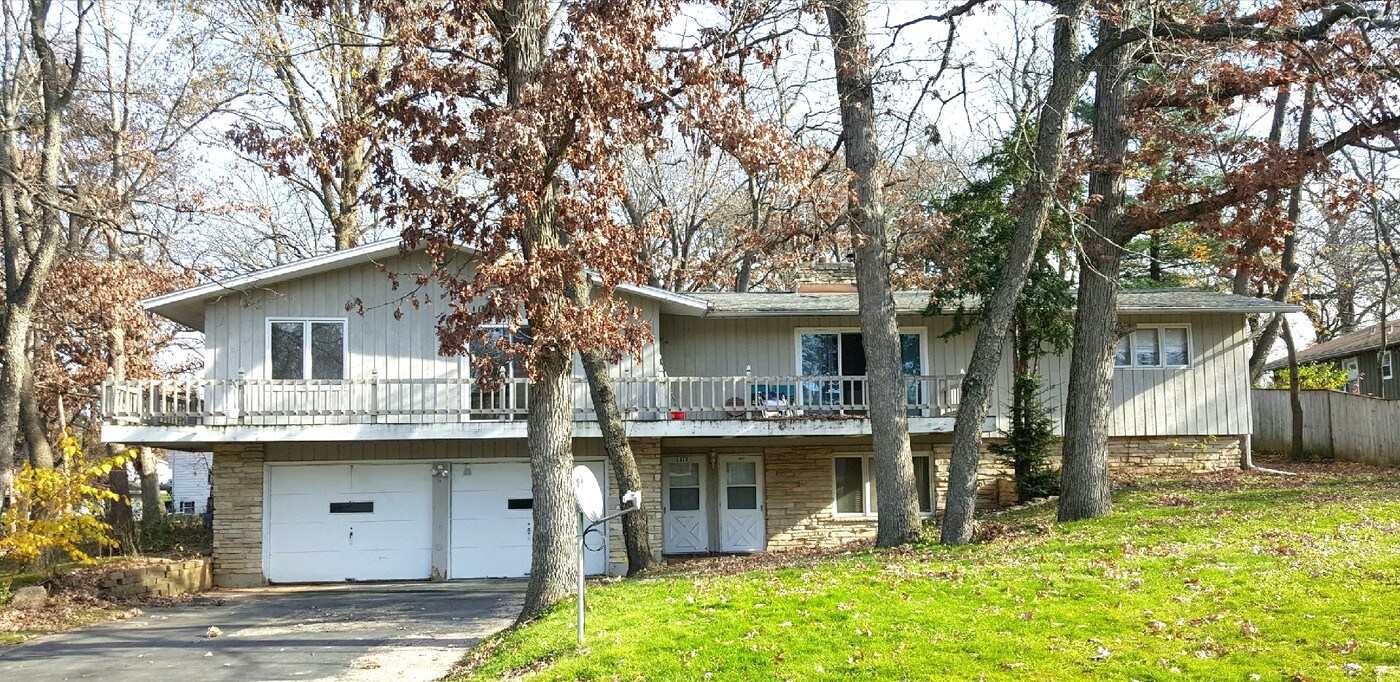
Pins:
x: 346, y: 447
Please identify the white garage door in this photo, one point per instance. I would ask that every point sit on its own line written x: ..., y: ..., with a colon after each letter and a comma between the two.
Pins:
x: 491, y: 521
x: 333, y: 522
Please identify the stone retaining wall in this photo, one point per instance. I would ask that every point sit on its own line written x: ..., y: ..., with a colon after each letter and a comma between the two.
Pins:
x: 161, y: 580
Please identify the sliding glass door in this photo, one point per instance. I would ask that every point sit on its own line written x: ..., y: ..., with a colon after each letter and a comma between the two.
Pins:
x: 838, y: 353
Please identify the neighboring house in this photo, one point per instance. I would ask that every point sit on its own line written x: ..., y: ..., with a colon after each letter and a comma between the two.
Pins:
x: 345, y: 447
x: 189, y: 482
x: 1369, y: 370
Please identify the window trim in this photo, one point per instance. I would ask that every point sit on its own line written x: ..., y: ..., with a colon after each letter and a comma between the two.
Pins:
x: 1387, y: 365
x: 306, y: 345
x: 798, y: 332
x: 1161, y: 348
x: 868, y: 479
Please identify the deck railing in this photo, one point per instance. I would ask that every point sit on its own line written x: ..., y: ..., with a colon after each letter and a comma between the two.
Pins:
x: 225, y: 402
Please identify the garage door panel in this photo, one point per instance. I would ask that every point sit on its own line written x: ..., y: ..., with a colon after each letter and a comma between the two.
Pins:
x: 290, y: 480
x: 332, y: 566
x: 308, y: 543
x: 391, y: 535
x: 307, y: 537
x: 498, y: 562
x: 317, y: 507
x: 488, y: 504
x: 390, y: 478
x: 494, y: 533
x: 491, y: 476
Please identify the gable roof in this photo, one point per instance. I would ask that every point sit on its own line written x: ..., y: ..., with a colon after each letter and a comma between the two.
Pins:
x: 186, y: 306
x: 1174, y: 300
x: 1346, y: 345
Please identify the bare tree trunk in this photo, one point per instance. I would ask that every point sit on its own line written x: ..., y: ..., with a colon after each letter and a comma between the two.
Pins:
x: 1052, y: 126
x: 617, y: 447
x: 151, y: 508
x: 119, y: 511
x: 624, y: 465
x: 1295, y: 398
x: 1084, y: 487
x: 554, y: 539
x: 898, y: 501
x: 36, y: 436
x: 554, y: 545
x: 23, y: 290
x: 1265, y: 343
x: 119, y: 514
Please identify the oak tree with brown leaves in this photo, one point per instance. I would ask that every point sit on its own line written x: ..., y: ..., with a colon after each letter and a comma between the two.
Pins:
x: 1168, y: 76
x: 506, y: 125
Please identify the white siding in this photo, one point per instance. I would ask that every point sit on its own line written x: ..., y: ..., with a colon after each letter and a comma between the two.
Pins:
x: 189, y: 479
x: 1209, y: 398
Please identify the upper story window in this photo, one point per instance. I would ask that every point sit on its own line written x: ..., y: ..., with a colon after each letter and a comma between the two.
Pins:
x: 1154, y: 347
x: 307, y: 348
x: 835, y: 352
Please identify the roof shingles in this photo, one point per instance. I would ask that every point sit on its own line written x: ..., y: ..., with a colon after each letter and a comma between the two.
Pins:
x: 727, y: 304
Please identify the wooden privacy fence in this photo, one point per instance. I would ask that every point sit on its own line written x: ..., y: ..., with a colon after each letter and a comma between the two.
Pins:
x: 1345, y: 426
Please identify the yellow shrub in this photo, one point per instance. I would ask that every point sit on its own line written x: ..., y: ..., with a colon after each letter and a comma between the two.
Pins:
x: 60, y: 508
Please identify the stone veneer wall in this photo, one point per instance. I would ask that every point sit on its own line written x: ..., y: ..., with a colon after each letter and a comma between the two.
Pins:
x: 647, y: 452
x: 799, y: 495
x: 238, y: 515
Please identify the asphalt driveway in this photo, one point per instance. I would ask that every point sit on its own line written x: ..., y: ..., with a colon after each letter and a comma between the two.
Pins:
x: 402, y: 632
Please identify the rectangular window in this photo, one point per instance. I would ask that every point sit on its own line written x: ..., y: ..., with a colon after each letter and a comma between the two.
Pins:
x: 187, y: 506
x: 840, y: 353
x: 924, y: 484
x: 352, y: 507
x: 855, y: 484
x: 1386, y: 370
x: 306, y: 349
x: 520, y: 503
x: 1176, y: 351
x: 683, y: 486
x: 1154, y: 347
x: 1146, y: 351
x: 850, y: 485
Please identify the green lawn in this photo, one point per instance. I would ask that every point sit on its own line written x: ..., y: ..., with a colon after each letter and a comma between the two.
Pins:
x: 1220, y: 577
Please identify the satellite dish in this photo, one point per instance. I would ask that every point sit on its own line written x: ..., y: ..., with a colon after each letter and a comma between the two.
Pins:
x: 587, y: 495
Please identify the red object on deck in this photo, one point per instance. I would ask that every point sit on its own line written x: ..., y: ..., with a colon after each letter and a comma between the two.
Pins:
x: 677, y: 414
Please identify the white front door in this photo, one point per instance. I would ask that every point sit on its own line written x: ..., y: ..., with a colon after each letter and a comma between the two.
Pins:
x: 685, y: 526
x: 334, y: 522
x: 741, y: 526
x: 493, y: 519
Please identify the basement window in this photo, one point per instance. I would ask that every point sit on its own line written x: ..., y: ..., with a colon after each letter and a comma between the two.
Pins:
x: 352, y: 507
x: 854, y: 485
x: 520, y: 503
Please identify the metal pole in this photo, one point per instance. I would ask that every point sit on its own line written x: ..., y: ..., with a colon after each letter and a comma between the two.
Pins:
x: 583, y: 533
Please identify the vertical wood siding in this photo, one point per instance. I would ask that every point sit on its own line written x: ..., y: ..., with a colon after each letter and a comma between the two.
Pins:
x: 1211, y: 397
x: 407, y: 348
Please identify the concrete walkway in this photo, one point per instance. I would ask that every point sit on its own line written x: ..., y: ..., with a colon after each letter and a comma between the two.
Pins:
x: 404, y: 632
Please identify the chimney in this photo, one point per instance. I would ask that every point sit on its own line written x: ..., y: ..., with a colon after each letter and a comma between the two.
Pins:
x: 826, y: 278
